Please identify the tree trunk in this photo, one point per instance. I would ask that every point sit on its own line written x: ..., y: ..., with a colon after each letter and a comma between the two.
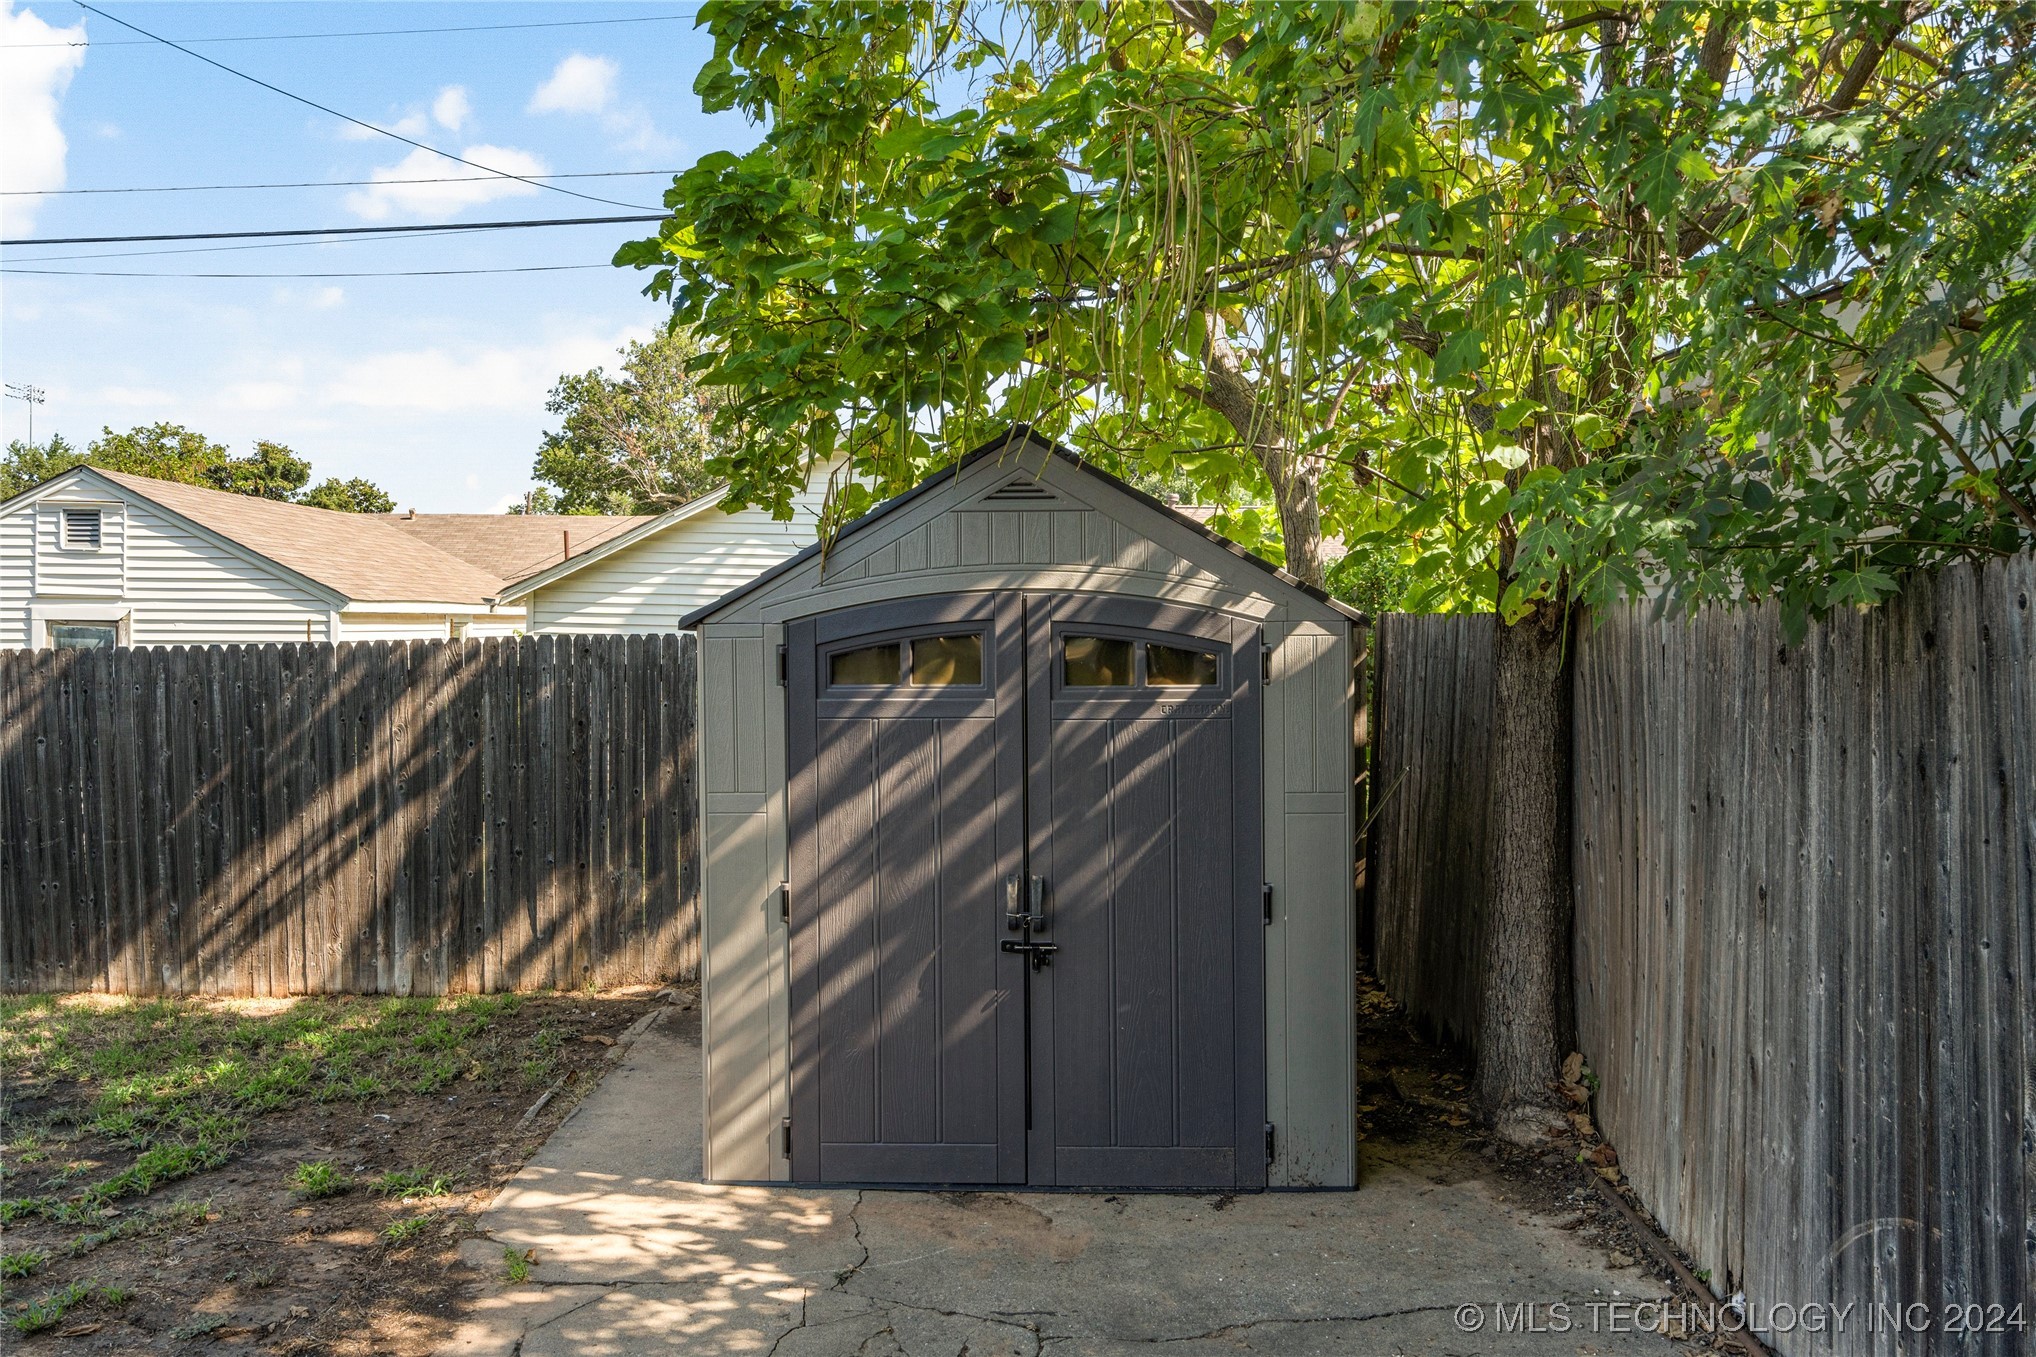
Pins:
x: 1296, y: 481
x: 1524, y: 1004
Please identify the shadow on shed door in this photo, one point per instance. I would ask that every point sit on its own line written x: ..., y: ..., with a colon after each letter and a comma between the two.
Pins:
x: 1026, y: 937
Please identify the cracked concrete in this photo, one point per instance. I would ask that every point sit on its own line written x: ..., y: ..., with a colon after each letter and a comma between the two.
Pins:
x: 633, y: 1254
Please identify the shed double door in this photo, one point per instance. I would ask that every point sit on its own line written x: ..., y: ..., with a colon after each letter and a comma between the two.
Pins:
x: 1026, y: 927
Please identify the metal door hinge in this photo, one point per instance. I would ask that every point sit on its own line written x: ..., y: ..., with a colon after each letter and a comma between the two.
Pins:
x: 785, y: 901
x: 784, y: 664
x: 1271, y: 1140
x: 785, y: 1136
x: 1266, y: 895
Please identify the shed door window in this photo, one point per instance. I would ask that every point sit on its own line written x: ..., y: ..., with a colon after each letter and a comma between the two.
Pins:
x: 83, y: 635
x: 917, y: 661
x: 81, y: 529
x: 1114, y: 662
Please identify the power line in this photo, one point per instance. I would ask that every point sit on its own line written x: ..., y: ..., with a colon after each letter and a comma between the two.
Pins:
x: 322, y: 108
x: 450, y: 226
x: 313, y: 243
x: 324, y: 183
x: 369, y: 32
x: 400, y: 273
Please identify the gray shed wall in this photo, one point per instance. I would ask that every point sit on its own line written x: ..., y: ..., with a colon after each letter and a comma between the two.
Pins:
x: 1089, y: 538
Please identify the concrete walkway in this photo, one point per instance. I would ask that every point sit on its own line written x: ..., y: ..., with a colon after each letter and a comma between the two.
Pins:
x: 633, y: 1254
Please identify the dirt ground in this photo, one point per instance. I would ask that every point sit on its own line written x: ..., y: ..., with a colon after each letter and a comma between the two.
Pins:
x: 247, y: 1256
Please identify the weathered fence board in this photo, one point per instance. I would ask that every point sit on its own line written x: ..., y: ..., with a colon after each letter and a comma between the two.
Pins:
x: 1805, y: 933
x: 1430, y: 784
x: 408, y: 817
x: 1806, y: 894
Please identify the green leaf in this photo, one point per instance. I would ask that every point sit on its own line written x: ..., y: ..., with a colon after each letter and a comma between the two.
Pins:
x: 1461, y: 352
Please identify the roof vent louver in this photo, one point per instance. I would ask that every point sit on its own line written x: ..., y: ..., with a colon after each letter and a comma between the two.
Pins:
x: 1020, y: 490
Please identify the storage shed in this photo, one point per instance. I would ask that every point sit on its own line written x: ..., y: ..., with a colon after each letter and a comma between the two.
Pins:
x: 1029, y: 823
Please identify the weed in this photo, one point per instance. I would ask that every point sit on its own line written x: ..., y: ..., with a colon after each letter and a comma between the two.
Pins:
x: 114, y: 1295
x: 519, y: 1263
x: 320, y: 1178
x: 405, y: 1230
x: 198, y: 1328
x: 411, y: 1184
x: 176, y: 1216
x: 264, y: 1276
x: 44, y: 1311
x: 22, y: 1263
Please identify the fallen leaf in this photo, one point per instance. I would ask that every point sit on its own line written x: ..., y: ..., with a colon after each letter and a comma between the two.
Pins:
x: 1610, y: 1175
x: 597, y: 1039
x: 1573, y: 1068
x: 1583, y: 1125
x: 79, y: 1330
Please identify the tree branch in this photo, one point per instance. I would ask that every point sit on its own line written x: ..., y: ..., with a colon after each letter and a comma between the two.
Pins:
x: 1199, y: 17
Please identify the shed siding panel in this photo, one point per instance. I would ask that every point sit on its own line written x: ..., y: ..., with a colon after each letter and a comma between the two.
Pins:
x: 1312, y: 871
x: 743, y: 956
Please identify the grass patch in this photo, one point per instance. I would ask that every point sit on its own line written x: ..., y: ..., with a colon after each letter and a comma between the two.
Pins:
x: 180, y: 1081
x: 405, y: 1230
x: 411, y: 1184
x: 319, y: 1178
x: 518, y: 1263
x: 22, y: 1262
x: 179, y: 1215
x: 46, y: 1310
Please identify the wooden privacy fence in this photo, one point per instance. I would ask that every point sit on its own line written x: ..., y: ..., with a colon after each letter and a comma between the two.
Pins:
x: 1805, y: 938
x: 1431, y: 778
x: 406, y: 818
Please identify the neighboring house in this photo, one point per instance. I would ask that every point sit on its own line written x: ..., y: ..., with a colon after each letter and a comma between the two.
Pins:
x: 648, y: 576
x: 96, y: 557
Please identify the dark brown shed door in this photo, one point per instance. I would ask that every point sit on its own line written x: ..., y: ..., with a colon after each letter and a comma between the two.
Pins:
x: 1092, y: 767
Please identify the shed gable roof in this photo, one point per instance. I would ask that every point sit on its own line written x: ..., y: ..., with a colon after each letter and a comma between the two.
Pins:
x: 1023, y: 489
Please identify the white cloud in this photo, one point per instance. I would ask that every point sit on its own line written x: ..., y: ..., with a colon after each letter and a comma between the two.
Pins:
x: 388, y: 198
x: 32, y: 85
x: 440, y: 379
x: 451, y: 108
x: 579, y: 84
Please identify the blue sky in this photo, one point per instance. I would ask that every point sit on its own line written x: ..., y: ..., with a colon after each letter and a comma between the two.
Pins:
x: 432, y: 387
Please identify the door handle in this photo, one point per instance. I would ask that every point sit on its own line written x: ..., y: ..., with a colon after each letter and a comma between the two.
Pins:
x: 1025, y: 903
x: 1040, y: 953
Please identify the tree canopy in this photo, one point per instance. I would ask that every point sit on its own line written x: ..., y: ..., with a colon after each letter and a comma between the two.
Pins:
x: 170, y: 452
x: 1543, y: 301
x: 634, y: 443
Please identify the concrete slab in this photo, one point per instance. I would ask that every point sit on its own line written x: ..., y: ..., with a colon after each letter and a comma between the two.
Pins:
x: 633, y: 1254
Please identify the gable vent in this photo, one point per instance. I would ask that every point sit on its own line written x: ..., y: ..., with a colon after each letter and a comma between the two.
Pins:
x: 81, y: 528
x: 1020, y: 490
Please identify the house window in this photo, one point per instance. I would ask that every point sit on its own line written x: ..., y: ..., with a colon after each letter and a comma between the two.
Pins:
x: 81, y: 529
x: 83, y: 635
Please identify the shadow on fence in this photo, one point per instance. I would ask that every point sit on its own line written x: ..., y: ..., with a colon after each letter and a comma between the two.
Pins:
x: 406, y: 817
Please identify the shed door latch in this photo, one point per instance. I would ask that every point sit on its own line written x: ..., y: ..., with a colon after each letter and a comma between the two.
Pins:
x: 784, y: 664
x: 1265, y: 892
x: 1271, y: 1141
x: 785, y: 901
x: 785, y: 1136
x: 1264, y: 657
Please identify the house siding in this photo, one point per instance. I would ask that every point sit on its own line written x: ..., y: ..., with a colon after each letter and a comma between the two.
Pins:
x: 177, y: 587
x: 652, y: 583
